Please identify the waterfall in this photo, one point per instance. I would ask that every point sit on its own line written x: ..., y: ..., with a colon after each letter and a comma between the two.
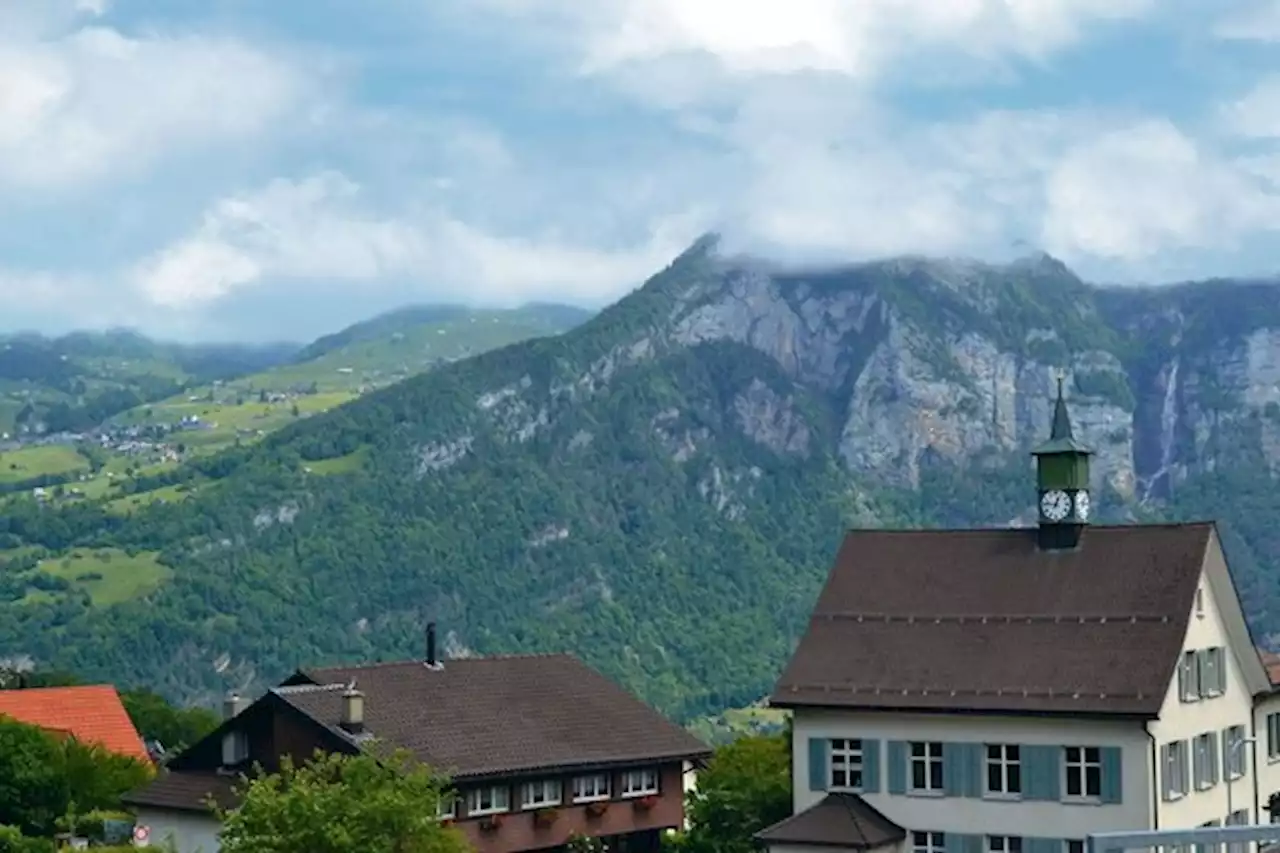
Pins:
x: 1168, y: 427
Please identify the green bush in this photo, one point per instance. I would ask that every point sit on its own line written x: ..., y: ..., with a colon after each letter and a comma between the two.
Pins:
x: 13, y: 841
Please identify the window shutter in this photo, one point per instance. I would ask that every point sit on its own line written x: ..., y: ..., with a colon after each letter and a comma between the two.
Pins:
x: 1213, y: 760
x: 1184, y: 768
x: 1041, y: 772
x: 962, y: 769
x: 1182, y: 677
x: 974, y: 844
x: 1042, y: 845
x: 1166, y: 772
x: 955, y: 776
x: 897, y: 772
x: 1202, y: 673
x: 954, y: 842
x: 1112, y: 778
x: 818, y: 764
x: 870, y: 766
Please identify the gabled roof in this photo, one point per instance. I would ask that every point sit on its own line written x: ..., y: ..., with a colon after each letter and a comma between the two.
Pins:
x: 490, y: 716
x: 838, y: 820
x: 983, y: 620
x: 91, y: 714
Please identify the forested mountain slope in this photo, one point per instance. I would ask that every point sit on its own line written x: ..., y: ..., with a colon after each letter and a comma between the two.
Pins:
x: 661, y: 489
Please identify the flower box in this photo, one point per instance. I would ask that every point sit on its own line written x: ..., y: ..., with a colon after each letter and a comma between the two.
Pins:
x: 597, y: 809
x: 643, y: 804
x: 489, y: 823
x: 545, y: 817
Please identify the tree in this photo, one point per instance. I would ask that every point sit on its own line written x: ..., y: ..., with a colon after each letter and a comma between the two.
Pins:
x: 156, y: 719
x: 44, y: 777
x: 341, y: 804
x: 745, y: 787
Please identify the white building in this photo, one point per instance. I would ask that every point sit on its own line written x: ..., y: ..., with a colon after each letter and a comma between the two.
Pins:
x: 1013, y: 690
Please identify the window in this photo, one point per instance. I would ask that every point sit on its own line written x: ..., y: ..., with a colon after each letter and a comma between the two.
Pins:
x: 488, y: 800
x: 235, y: 748
x: 1233, y: 752
x: 639, y: 783
x: 928, y: 842
x: 1004, y: 770
x: 1083, y: 770
x: 846, y: 765
x: 588, y: 789
x: 539, y: 794
x: 447, y: 805
x: 1189, y: 677
x: 1200, y: 603
x: 1204, y: 761
x: 1073, y: 845
x: 1004, y: 844
x: 926, y: 768
x: 1273, y: 736
x: 1175, y: 776
x: 1213, y: 676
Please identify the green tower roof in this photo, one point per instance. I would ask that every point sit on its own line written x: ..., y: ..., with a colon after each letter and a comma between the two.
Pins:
x: 1061, y: 439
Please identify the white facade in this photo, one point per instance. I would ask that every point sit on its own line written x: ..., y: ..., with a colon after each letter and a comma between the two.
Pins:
x: 1135, y: 779
x: 187, y: 832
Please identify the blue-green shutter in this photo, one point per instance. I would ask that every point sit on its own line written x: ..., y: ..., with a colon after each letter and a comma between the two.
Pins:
x: 1042, y: 845
x: 974, y: 766
x: 1041, y: 772
x: 961, y: 769
x: 1112, y: 779
x: 958, y: 842
x: 897, y: 759
x: 870, y: 766
x: 818, y: 764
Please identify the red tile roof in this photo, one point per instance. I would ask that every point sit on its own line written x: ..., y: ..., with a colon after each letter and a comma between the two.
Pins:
x: 92, y: 714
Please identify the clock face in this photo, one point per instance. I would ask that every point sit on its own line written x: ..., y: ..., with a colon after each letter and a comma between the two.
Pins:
x: 1055, y: 505
x: 1082, y: 506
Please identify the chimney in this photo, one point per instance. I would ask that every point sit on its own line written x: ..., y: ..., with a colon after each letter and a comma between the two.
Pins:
x: 232, y: 705
x: 432, y: 662
x: 352, y: 710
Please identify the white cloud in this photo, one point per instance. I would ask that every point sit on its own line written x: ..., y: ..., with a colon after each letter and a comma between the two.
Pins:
x: 318, y: 229
x: 1259, y: 21
x: 1256, y: 115
x: 93, y: 103
x: 856, y: 39
x: 1147, y: 188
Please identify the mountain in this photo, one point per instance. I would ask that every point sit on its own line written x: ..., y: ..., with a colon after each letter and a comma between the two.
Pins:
x: 75, y: 381
x: 661, y: 488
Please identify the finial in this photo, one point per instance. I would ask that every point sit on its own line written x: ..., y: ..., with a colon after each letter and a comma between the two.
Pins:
x: 1061, y: 376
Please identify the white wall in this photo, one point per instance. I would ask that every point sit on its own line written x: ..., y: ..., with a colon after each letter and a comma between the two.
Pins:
x: 1268, y: 768
x: 1184, y: 720
x: 190, y: 832
x: 981, y: 816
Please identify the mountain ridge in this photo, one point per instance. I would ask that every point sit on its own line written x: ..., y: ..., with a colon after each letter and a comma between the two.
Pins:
x: 660, y: 489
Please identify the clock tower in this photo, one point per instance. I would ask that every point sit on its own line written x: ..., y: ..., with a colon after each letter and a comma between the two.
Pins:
x: 1062, y: 482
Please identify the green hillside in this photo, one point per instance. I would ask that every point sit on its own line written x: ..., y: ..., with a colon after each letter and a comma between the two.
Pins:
x: 660, y: 489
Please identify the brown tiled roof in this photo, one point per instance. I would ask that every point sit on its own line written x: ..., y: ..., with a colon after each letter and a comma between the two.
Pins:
x: 983, y: 620
x: 838, y: 820
x: 186, y: 790
x: 482, y: 716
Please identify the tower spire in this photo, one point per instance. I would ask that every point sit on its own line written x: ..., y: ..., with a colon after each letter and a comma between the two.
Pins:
x: 1062, y: 480
x: 1061, y: 430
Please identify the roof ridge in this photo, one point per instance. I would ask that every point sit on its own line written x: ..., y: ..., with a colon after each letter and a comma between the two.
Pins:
x: 1031, y: 528
x: 410, y: 661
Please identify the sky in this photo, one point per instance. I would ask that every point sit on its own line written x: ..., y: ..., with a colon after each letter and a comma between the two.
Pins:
x: 245, y: 169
